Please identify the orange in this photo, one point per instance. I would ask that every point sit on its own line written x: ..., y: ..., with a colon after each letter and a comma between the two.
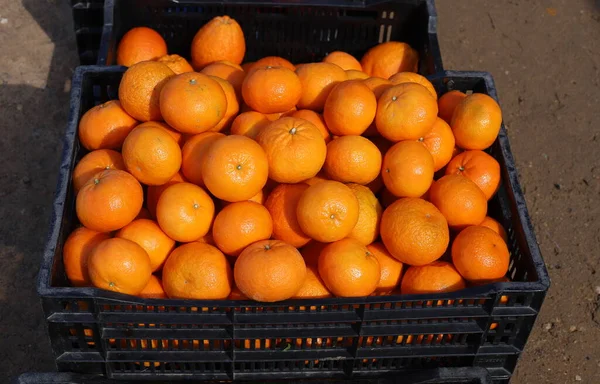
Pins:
x: 148, y: 235
x: 236, y: 66
x: 495, y: 226
x: 153, y: 290
x: 241, y: 224
x: 411, y: 77
x: 139, y: 90
x: 350, y: 108
x: 227, y: 71
x: 437, y: 277
x: 236, y: 294
x: 259, y: 198
x: 387, y: 59
x: 140, y: 44
x: 178, y: 136
x: 327, y: 211
x: 352, y: 159
x: 343, y: 60
x: 348, y: 269
x: 391, y: 269
x: 315, y: 118
x: 119, y: 265
x: 414, y: 231
x: 76, y: 252
x: 277, y: 115
x: 269, y: 270
x: 356, y: 75
x: 197, y: 271
x: 366, y: 229
x: 479, y: 167
x: 247, y: 66
x: 271, y: 89
x: 235, y: 168
x: 313, y: 286
x: 311, y: 252
x: 405, y: 112
x: 295, y: 149
x: 95, y: 162
x: 221, y: 38
x: 318, y: 79
x: 439, y: 141
x: 177, y: 64
x: 249, y: 124
x: 456, y: 151
x: 151, y: 155
x: 282, y: 204
x: 185, y: 212
x: 447, y: 104
x: 233, y: 107
x: 378, y: 85
x: 480, y: 254
x: 271, y: 61
x: 460, y: 200
x: 208, y: 239
x: 193, y: 102
x: 109, y: 201
x: 105, y: 126
x: 155, y: 191
x: 476, y: 121
x: 319, y: 177
x: 193, y: 155
x: 407, y: 169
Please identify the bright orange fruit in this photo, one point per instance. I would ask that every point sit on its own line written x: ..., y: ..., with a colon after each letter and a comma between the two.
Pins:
x: 350, y: 108
x: 414, y: 231
x: 348, y: 269
x: 269, y: 270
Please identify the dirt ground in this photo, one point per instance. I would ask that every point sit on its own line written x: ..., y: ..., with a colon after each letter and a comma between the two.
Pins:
x: 545, y: 57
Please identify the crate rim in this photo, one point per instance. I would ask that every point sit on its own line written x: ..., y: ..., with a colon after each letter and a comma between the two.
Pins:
x: 358, y: 4
x: 44, y: 288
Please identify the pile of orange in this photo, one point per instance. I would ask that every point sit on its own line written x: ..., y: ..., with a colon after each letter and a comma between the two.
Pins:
x: 271, y: 180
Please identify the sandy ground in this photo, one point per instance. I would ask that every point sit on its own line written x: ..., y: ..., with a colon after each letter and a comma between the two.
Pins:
x: 545, y: 56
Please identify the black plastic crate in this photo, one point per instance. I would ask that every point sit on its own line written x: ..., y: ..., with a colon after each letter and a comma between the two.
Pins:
x: 124, y: 337
x: 88, y: 23
x: 298, y: 30
x: 435, y: 376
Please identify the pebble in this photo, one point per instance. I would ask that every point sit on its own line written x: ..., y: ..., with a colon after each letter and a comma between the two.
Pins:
x: 572, y: 328
x: 3, y: 21
x: 597, y: 290
x: 577, y: 378
x: 548, y: 326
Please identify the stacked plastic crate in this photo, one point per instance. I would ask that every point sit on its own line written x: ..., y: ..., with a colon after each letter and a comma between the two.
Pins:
x: 453, y: 334
x: 88, y: 21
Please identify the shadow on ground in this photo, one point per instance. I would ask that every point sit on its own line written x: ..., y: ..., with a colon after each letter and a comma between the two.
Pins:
x: 33, y: 119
